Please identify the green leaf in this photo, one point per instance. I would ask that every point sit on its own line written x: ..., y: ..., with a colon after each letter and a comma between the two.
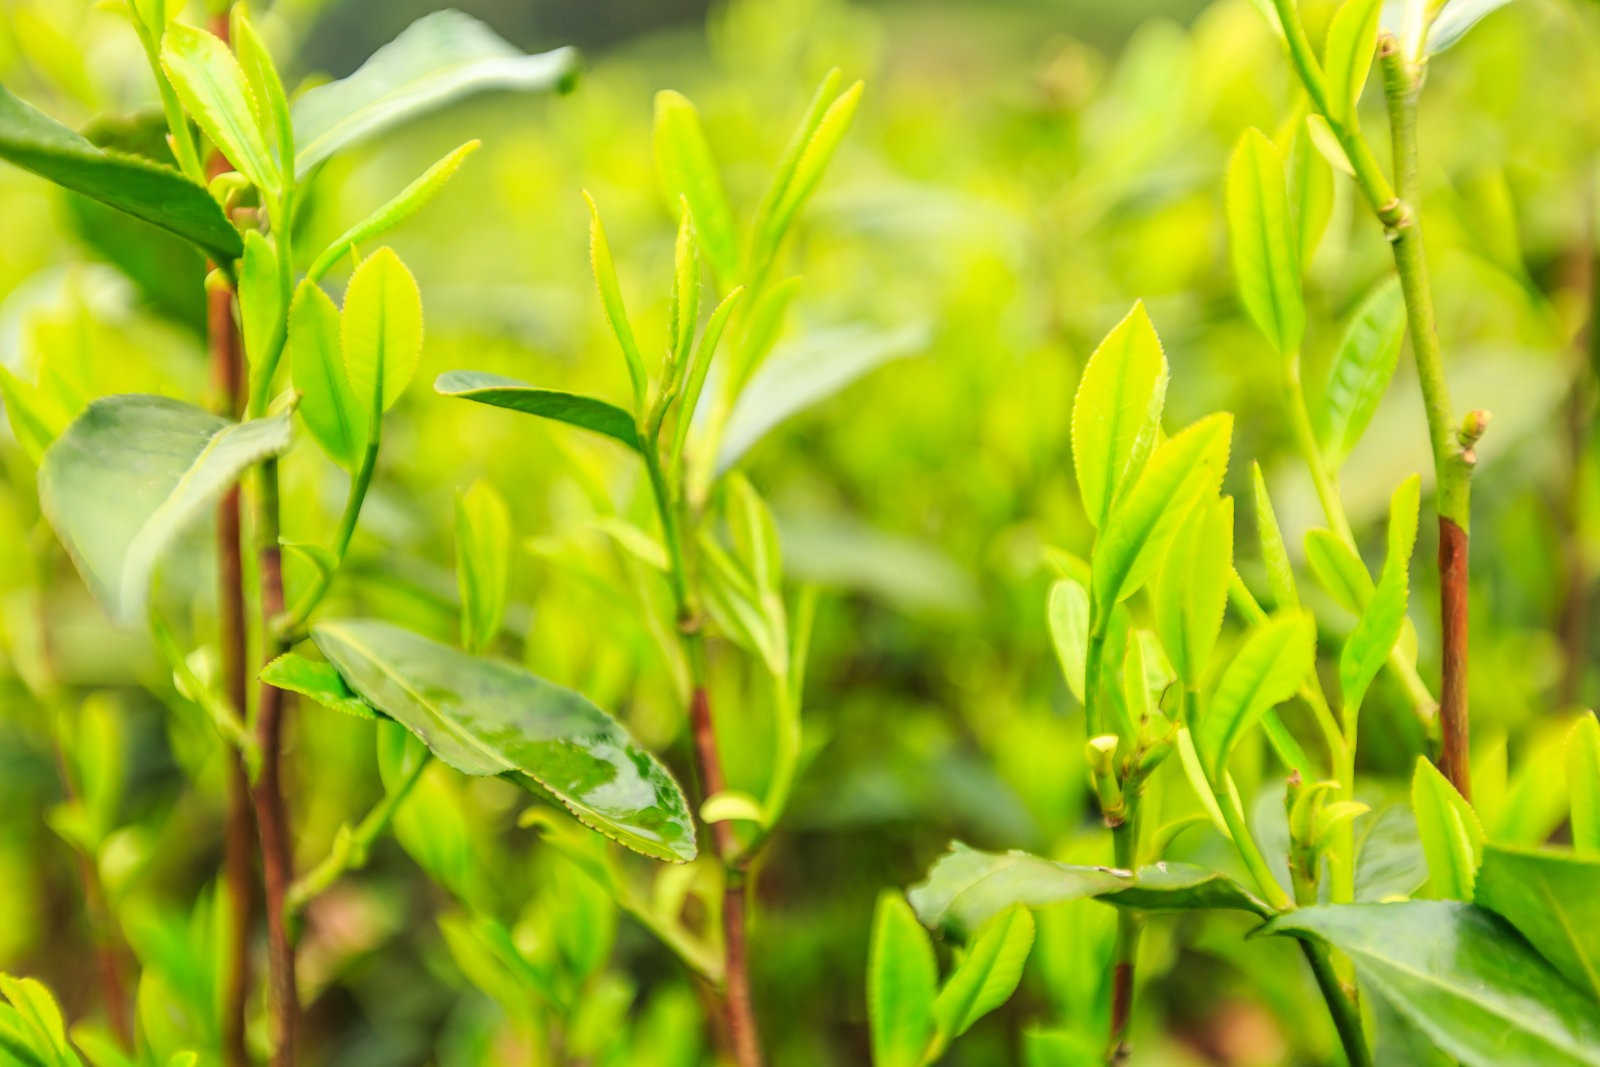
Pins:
x: 1583, y: 782
x: 1347, y: 56
x: 806, y: 371
x: 1265, y: 244
x: 1451, y: 836
x: 1184, y: 468
x: 1362, y: 366
x: 217, y: 95
x: 987, y: 975
x: 404, y: 204
x: 380, y: 331
x: 483, y: 563
x: 1310, y: 194
x: 317, y: 680
x: 902, y: 977
x: 128, y: 476
x: 1456, y: 18
x: 1191, y: 591
x: 1116, y: 414
x: 265, y: 83
x: 260, y: 297
x: 966, y: 887
x: 485, y: 717
x: 1069, y: 630
x: 159, y: 195
x: 316, y: 363
x: 1461, y: 976
x: 1266, y: 671
x: 35, y: 421
x: 605, y: 279
x: 438, y: 59
x: 685, y: 168
x: 685, y: 310
x: 1383, y: 617
x: 1338, y: 570
x: 582, y: 411
x: 794, y: 183
x: 37, y: 1019
x: 1553, y: 899
x: 1274, y: 553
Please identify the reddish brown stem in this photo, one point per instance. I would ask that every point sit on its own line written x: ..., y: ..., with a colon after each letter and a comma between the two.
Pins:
x: 1453, y: 621
x: 272, y: 822
x: 1121, y: 1009
x: 744, y: 1036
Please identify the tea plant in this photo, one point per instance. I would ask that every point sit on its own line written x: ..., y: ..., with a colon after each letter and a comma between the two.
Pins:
x: 1154, y: 678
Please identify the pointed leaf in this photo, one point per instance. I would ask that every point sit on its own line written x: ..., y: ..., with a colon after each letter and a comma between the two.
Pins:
x: 1338, y: 570
x: 1069, y: 629
x: 1457, y: 17
x: 1310, y: 194
x: 1264, y: 242
x: 380, y: 330
x: 1551, y: 898
x: 1183, y: 469
x: 217, y: 95
x: 159, y: 195
x: 265, y: 84
x: 582, y: 411
x: 260, y: 297
x: 486, y: 717
x: 34, y: 423
x: 1384, y: 616
x: 317, y: 680
x: 1266, y: 671
x: 128, y: 476
x: 1583, y: 783
x: 1362, y: 366
x: 1462, y: 976
x: 328, y: 404
x: 1347, y: 56
x: 987, y: 975
x: 605, y: 279
x: 901, y: 980
x: 1116, y: 413
x: 436, y: 60
x: 1191, y: 591
x: 483, y: 563
x: 685, y: 168
x: 809, y: 166
x: 1274, y: 553
x: 1451, y: 836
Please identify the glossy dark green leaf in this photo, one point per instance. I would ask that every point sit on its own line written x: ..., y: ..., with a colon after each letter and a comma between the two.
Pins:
x: 217, y: 95
x: 1183, y: 469
x: 146, y: 190
x: 1266, y: 671
x: 1265, y: 242
x: 966, y: 887
x: 483, y: 563
x: 1384, y: 615
x: 317, y: 680
x: 502, y: 392
x: 436, y: 60
x: 1553, y: 899
x: 808, y: 370
x: 1462, y: 976
x: 902, y: 979
x: 486, y: 717
x: 1362, y: 366
x: 328, y: 404
x: 1583, y: 782
x: 128, y: 476
x: 685, y: 168
x: 1448, y: 828
x: 1116, y: 413
x: 986, y: 976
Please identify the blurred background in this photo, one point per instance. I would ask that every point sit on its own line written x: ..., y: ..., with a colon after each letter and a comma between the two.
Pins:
x: 1019, y: 173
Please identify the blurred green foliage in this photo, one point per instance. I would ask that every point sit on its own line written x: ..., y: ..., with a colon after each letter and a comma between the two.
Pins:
x: 1016, y: 176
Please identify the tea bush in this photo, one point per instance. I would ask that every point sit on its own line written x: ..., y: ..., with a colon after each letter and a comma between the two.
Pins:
x: 1012, y: 561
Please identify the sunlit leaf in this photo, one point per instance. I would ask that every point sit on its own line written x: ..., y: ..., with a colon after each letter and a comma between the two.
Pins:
x: 1361, y: 369
x: 260, y: 294
x: 1583, y: 783
x: 1347, y: 56
x: 1383, y: 617
x: 685, y: 167
x: 1551, y: 898
x: 1451, y: 836
x: 987, y: 975
x: 902, y: 979
x: 1069, y: 629
x: 1265, y: 672
x: 1116, y: 413
x: 217, y: 95
x: 1264, y: 242
x: 1191, y: 590
x: 317, y: 680
x: 328, y: 404
x: 380, y: 332
x: 1456, y: 18
x: 1274, y: 553
x: 483, y: 563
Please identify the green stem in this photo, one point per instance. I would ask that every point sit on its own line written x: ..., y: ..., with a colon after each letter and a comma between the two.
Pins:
x: 1130, y: 925
x: 350, y: 852
x: 1306, y: 439
x: 1346, y: 1016
x: 1245, y: 843
x: 296, y: 619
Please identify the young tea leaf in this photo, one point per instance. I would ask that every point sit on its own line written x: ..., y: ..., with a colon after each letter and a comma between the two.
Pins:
x: 260, y: 297
x: 1361, y: 369
x: 265, y: 83
x: 902, y: 977
x: 380, y: 331
x: 1384, y: 616
x: 35, y: 421
x: 1266, y: 671
x: 1183, y: 469
x: 581, y: 411
x: 438, y: 59
x: 1191, y: 591
x: 1583, y: 783
x: 1274, y: 553
x: 486, y: 717
x: 1338, y: 570
x: 1116, y: 414
x: 807, y: 174
x: 483, y: 563
x: 317, y: 680
x: 328, y: 404
x: 685, y: 168
x: 1310, y: 194
x: 1452, y: 838
x: 128, y: 476
x: 1347, y: 56
x: 1069, y: 629
x: 216, y: 93
x: 986, y: 976
x: 605, y: 278
x: 1265, y: 242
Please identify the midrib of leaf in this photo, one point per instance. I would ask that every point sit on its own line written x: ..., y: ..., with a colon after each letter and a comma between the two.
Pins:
x: 1560, y: 914
x: 1266, y: 250
x: 1454, y: 993
x: 454, y: 728
x: 1111, y: 474
x: 226, y: 117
